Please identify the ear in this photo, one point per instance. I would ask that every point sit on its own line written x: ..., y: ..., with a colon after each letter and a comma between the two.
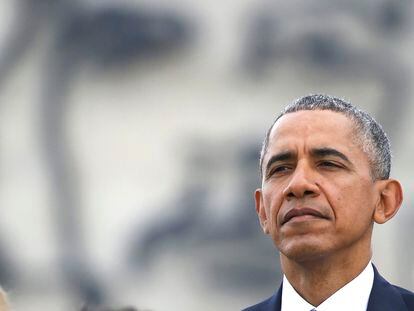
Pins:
x: 390, y: 200
x: 260, y: 210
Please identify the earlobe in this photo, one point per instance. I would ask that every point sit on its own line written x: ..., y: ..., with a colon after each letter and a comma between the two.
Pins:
x: 390, y: 200
x: 260, y: 210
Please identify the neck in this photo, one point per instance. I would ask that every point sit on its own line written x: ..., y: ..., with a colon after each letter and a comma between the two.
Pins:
x: 318, y: 279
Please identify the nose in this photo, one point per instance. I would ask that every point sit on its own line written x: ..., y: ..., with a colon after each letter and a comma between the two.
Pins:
x: 302, y: 183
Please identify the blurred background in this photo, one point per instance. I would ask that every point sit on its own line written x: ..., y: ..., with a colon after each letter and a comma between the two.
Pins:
x: 130, y: 133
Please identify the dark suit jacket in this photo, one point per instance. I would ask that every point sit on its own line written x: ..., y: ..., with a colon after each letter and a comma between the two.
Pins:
x: 384, y: 297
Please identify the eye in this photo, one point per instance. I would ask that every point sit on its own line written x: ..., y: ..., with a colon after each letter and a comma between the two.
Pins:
x: 279, y: 170
x: 329, y: 164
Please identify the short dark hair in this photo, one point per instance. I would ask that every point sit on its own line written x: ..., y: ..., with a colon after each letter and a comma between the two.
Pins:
x: 370, y: 135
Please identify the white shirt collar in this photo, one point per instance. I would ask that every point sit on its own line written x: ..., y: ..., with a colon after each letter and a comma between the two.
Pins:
x: 353, y: 296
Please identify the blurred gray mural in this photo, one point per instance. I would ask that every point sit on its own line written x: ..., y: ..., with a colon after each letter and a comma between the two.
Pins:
x: 131, y: 132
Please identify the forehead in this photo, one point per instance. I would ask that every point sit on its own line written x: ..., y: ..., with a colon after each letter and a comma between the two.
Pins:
x: 314, y: 129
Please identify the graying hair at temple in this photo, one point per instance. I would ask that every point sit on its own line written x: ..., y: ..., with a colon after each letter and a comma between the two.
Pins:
x: 370, y: 135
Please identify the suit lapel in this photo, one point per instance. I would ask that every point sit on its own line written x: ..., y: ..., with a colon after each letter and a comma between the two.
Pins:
x: 384, y: 296
x: 271, y: 304
x: 275, y: 301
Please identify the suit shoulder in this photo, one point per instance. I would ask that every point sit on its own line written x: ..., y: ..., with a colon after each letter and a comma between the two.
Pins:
x: 270, y: 304
x: 261, y: 306
x: 407, y: 296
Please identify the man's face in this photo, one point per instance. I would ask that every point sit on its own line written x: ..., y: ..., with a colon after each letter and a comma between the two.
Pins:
x: 317, y: 194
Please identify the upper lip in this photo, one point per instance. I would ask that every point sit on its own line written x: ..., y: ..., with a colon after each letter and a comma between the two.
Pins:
x: 300, y: 212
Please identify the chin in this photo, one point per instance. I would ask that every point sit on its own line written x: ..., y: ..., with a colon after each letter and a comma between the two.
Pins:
x: 301, y: 251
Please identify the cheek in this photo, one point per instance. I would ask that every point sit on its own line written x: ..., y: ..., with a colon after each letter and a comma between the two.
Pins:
x: 353, y: 204
x: 272, y: 201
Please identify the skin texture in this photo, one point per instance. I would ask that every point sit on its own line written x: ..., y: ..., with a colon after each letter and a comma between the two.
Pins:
x: 318, y: 201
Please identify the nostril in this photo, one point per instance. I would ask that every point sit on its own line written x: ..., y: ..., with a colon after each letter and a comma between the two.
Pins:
x: 308, y: 192
x: 290, y: 195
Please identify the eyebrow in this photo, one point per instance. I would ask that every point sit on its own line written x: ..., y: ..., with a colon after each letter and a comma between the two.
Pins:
x: 316, y: 152
x: 323, y: 152
x: 283, y: 156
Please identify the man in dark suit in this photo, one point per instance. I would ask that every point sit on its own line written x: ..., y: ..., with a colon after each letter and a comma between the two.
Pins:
x: 325, y: 169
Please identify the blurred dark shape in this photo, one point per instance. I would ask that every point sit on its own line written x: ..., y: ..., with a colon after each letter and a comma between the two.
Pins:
x: 393, y: 15
x: 171, y: 231
x: 282, y: 32
x: 355, y: 50
x: 109, y: 36
x: 8, y: 275
x: 260, y: 50
x: 116, y: 35
x: 65, y: 184
x: 325, y: 50
x: 106, y: 36
x: 82, y: 281
x: 102, y: 308
x: 29, y: 20
x: 232, y: 252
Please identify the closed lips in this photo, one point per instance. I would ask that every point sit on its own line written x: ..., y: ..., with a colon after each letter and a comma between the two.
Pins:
x: 302, y: 212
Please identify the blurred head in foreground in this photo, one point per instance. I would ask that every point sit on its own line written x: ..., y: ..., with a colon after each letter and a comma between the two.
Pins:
x: 3, y: 301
